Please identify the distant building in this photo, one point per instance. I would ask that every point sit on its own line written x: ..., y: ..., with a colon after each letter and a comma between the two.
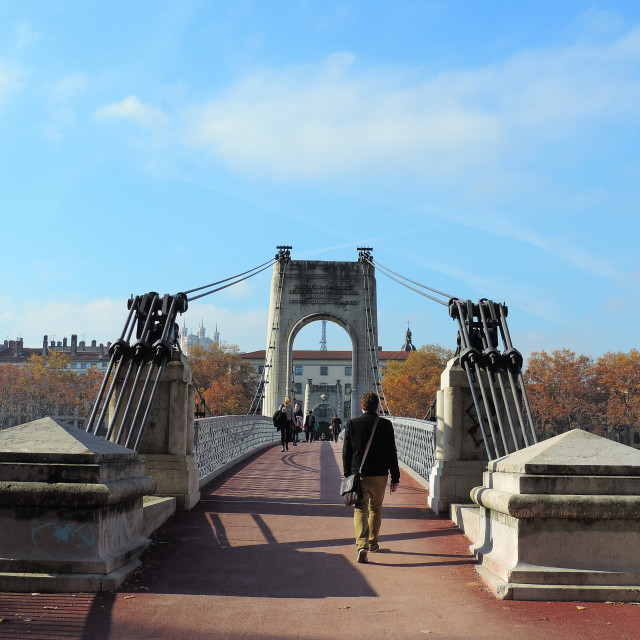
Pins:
x: 318, y: 373
x: 84, y: 357
x: 188, y: 340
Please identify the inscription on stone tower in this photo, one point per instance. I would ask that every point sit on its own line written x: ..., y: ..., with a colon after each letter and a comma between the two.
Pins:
x: 323, y: 294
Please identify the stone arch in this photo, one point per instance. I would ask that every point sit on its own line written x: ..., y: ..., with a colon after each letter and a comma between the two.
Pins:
x: 304, y: 291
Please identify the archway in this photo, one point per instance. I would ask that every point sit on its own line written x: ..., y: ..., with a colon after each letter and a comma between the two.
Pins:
x: 304, y: 291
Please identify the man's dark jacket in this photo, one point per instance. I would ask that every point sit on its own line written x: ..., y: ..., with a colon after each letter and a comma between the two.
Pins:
x: 382, y: 457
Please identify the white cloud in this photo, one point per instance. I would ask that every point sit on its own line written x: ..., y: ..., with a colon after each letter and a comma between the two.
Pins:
x: 333, y: 119
x: 144, y: 115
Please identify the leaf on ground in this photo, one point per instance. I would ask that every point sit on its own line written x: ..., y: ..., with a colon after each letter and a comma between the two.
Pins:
x: 346, y: 606
x: 581, y: 608
x: 425, y: 631
x: 129, y: 597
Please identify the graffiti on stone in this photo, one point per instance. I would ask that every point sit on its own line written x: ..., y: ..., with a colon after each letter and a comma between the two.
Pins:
x: 69, y: 534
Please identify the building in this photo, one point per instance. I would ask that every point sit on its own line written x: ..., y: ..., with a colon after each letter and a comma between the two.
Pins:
x: 83, y: 356
x: 188, y: 340
x: 323, y: 379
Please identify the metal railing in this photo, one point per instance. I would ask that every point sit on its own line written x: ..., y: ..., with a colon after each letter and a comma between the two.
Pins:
x: 415, y: 442
x: 222, y: 440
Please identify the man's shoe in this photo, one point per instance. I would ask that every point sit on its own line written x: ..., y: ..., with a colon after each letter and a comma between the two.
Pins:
x: 362, y: 556
x: 374, y: 547
x: 283, y: 448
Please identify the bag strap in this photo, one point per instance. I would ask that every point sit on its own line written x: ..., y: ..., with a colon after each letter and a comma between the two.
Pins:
x: 364, y: 457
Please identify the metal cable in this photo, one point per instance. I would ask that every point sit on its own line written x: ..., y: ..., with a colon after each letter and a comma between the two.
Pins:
x: 202, y: 295
x: 380, y: 266
x: 213, y: 284
x: 426, y: 295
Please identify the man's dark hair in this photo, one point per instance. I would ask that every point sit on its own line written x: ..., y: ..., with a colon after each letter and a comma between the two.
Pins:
x: 370, y: 401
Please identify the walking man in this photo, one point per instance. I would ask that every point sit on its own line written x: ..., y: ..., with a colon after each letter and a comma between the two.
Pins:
x: 381, y: 460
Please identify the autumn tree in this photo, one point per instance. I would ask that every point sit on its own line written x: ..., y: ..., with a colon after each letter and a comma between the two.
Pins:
x: 617, y: 377
x: 226, y: 381
x: 410, y: 386
x: 562, y: 391
x: 43, y: 386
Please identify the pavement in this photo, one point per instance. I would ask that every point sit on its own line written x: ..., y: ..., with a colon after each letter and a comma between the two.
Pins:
x: 269, y: 554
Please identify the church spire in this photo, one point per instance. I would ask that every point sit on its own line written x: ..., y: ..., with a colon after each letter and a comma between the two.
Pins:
x: 408, y: 345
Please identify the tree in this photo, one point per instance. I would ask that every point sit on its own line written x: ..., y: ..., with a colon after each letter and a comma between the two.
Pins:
x: 410, y: 386
x: 618, y: 380
x: 562, y: 391
x: 226, y: 381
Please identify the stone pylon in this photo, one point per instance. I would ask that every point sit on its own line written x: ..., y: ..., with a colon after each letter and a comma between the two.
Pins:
x: 306, y: 291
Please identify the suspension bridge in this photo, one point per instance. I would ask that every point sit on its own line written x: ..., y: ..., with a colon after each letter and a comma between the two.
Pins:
x: 260, y: 545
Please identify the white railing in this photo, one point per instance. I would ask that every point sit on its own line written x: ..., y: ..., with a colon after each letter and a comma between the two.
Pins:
x: 415, y: 442
x: 224, y: 440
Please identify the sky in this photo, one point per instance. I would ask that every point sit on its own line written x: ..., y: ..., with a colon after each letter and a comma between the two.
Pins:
x: 485, y: 149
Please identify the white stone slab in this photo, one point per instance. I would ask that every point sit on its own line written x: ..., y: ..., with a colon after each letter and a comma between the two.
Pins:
x: 575, y: 453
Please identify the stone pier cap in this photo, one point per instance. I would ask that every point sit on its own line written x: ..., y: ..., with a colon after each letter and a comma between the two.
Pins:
x: 574, y: 475
x: 560, y: 520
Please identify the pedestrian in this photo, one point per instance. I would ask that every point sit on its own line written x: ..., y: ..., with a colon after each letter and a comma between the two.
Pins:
x: 308, y: 426
x: 285, y: 423
x: 381, y: 460
x: 298, y: 417
x: 336, y: 426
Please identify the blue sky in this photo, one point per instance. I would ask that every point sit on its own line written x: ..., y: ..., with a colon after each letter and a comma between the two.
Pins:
x: 486, y: 149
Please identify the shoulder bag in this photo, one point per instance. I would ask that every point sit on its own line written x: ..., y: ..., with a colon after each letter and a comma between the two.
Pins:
x: 350, y: 488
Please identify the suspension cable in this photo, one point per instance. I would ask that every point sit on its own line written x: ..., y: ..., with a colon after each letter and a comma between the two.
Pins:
x: 213, y: 284
x: 446, y: 295
x: 255, y: 273
x: 422, y: 293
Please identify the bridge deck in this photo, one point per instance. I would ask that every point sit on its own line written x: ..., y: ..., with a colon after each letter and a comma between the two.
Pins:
x: 268, y: 554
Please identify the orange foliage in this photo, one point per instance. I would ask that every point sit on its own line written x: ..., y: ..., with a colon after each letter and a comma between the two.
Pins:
x: 44, y: 387
x: 226, y: 381
x: 410, y: 386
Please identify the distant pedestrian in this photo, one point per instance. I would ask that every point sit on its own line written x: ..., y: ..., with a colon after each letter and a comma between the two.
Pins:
x: 336, y: 427
x: 286, y: 423
x: 309, y: 422
x: 381, y: 459
x: 298, y: 417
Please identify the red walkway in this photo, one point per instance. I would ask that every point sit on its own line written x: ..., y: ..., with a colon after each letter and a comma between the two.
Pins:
x: 268, y: 554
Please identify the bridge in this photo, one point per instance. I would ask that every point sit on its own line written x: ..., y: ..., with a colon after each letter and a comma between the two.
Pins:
x: 262, y: 535
x: 268, y: 554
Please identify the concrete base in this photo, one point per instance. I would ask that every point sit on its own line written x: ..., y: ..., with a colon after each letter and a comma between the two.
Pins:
x: 557, y: 521
x: 156, y: 510
x: 467, y: 518
x: 68, y: 582
x: 71, y: 511
x: 566, y: 588
x: 451, y: 481
x: 177, y: 476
